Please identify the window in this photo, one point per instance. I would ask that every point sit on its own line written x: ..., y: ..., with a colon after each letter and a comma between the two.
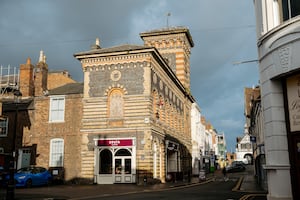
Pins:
x: 116, y: 104
x: 3, y: 126
x: 105, y: 166
x: 290, y: 9
x: 56, y: 152
x: 57, y: 109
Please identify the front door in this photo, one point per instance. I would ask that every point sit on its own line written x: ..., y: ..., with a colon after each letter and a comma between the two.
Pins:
x: 123, y: 173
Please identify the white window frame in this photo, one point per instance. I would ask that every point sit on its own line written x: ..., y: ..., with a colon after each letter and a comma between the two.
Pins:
x: 57, y: 109
x: 56, y: 157
x: 4, y: 125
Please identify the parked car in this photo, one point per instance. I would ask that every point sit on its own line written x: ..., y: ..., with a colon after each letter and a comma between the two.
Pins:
x: 6, y: 161
x: 32, y: 176
x: 236, y: 166
x: 3, y: 174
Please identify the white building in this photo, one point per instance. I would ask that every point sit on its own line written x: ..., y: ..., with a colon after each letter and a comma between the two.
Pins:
x: 244, y: 149
x: 278, y: 41
x: 196, y: 138
x: 220, y: 149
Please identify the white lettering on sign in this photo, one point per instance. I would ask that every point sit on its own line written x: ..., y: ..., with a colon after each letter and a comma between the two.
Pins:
x: 114, y: 142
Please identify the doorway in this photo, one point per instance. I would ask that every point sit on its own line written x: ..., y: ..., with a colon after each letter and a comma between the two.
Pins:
x: 123, y: 166
x: 123, y: 170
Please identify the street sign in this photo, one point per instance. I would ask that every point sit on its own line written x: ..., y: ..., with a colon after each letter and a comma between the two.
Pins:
x: 253, y: 139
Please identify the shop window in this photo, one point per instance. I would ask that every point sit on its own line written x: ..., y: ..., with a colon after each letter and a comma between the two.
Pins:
x: 3, y: 126
x: 105, y: 166
x: 127, y: 166
x: 56, y: 152
x: 57, y: 109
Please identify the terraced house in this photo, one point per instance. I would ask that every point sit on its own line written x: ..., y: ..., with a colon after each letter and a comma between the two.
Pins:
x: 128, y: 122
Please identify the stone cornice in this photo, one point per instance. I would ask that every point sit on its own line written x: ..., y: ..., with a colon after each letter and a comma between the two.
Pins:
x: 113, y: 60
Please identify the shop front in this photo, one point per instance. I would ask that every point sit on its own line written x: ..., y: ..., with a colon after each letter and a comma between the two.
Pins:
x: 173, y: 161
x: 115, y: 160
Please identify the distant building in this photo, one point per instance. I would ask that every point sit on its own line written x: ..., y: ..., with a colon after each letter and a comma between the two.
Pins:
x: 196, y: 138
x: 220, y: 150
x: 254, y: 120
x: 244, y: 151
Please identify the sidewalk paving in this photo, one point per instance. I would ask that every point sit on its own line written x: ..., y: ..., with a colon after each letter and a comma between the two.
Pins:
x: 245, y: 184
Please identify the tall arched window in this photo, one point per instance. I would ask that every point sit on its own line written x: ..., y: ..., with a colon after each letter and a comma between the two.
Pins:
x: 155, y: 104
x: 105, y: 166
x: 116, y: 104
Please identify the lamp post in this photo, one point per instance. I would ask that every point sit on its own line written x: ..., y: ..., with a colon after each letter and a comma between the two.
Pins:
x: 10, y: 193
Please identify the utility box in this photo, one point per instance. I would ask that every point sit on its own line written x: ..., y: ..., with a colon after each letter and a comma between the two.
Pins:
x: 58, y: 174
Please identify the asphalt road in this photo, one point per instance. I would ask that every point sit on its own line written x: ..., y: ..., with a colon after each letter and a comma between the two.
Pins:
x: 216, y: 190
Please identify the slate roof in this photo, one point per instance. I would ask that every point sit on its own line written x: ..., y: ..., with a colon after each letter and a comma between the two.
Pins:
x: 119, y: 48
x: 70, y: 88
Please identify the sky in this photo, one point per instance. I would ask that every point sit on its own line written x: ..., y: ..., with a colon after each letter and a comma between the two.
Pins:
x: 223, y: 32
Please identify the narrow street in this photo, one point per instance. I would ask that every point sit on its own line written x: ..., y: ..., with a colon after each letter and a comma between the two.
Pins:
x: 216, y: 188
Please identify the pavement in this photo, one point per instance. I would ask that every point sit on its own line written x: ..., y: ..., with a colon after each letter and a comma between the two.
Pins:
x: 245, y: 183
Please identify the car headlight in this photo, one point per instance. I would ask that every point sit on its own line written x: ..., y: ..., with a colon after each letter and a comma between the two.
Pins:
x: 21, y: 177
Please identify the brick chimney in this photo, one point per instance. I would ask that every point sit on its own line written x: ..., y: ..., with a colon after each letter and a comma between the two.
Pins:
x: 26, y: 79
x: 41, y: 76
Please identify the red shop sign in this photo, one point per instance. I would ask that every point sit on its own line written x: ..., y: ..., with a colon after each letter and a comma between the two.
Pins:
x: 124, y: 142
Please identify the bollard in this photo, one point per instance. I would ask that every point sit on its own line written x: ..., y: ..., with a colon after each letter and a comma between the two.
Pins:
x: 145, y: 180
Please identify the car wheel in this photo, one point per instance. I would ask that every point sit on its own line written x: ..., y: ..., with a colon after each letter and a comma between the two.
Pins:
x: 28, y: 183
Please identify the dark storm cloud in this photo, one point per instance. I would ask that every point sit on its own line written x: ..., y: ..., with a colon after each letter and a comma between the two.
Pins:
x: 223, y: 33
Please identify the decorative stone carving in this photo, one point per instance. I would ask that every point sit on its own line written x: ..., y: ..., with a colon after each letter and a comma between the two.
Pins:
x: 284, y: 56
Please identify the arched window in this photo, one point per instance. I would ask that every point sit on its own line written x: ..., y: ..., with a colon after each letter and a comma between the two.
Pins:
x: 123, y: 152
x: 105, y: 166
x: 115, y: 104
x: 154, y: 104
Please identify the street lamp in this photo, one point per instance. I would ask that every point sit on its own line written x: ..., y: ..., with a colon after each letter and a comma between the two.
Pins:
x: 10, y: 193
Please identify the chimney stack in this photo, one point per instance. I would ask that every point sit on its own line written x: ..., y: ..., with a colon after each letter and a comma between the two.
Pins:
x: 26, y: 79
x: 41, y: 76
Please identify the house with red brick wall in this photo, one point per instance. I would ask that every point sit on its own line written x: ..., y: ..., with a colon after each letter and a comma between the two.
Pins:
x: 47, y: 129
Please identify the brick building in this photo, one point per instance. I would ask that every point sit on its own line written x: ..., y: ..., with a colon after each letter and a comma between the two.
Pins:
x: 47, y: 129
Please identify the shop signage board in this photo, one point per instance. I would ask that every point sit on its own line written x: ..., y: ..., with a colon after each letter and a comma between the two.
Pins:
x: 115, y: 142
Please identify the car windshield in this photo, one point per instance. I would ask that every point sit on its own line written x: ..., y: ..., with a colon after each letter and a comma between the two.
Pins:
x: 25, y: 170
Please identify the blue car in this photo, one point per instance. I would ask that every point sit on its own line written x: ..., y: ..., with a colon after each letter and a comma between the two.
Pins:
x: 32, y: 176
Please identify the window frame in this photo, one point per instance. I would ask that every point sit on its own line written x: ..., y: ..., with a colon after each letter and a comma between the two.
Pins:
x: 53, y: 154
x: 5, y: 120
x: 289, y: 10
x: 57, y: 114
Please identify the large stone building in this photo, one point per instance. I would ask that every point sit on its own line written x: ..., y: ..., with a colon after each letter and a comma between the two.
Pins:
x: 278, y: 43
x: 136, y: 109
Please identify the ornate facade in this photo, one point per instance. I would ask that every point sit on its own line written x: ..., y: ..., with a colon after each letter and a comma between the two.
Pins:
x: 136, y: 112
